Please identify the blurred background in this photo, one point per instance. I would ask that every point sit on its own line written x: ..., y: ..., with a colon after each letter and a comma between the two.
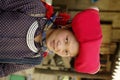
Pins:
x: 54, y: 67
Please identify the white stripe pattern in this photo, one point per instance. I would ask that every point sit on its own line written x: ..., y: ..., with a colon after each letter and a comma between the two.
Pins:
x: 30, y: 37
x: 116, y: 72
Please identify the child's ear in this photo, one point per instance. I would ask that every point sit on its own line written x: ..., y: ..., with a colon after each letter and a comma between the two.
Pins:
x: 66, y: 26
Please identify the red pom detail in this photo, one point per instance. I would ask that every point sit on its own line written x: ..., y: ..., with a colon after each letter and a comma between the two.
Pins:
x: 62, y: 18
x: 45, y: 54
x: 49, y: 10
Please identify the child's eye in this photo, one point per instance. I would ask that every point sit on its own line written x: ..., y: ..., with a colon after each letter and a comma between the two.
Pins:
x: 66, y: 40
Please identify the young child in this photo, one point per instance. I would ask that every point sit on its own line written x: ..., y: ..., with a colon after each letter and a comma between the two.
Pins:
x: 22, y: 23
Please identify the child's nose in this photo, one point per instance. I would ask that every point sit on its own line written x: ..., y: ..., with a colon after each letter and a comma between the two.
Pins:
x: 59, y: 46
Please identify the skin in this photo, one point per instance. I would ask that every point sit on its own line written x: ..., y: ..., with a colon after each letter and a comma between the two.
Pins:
x: 62, y: 42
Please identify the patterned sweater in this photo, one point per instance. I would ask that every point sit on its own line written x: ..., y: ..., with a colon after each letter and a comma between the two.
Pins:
x: 16, y: 18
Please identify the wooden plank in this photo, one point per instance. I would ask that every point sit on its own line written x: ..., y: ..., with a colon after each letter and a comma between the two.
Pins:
x: 116, y: 22
x: 73, y: 73
x: 108, y: 48
x: 107, y: 33
x: 116, y: 35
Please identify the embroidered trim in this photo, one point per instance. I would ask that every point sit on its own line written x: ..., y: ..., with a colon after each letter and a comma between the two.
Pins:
x: 30, y: 37
x: 37, y: 15
x: 31, y: 33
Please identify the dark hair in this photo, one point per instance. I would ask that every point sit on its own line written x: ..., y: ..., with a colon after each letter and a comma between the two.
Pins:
x: 72, y: 62
x: 70, y: 29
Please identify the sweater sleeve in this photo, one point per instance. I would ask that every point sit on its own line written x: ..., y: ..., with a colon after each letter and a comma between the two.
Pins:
x: 30, y: 7
x: 0, y: 6
x: 6, y: 69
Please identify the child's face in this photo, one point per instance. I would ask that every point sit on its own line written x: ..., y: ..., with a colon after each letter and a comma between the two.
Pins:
x: 63, y: 43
